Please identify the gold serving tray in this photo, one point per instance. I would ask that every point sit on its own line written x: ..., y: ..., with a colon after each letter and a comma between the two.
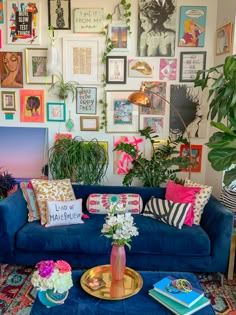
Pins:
x: 113, y: 290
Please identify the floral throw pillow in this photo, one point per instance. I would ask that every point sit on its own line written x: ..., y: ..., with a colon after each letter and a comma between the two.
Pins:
x: 30, y: 198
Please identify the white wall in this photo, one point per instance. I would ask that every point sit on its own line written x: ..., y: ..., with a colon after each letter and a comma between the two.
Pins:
x: 132, y: 83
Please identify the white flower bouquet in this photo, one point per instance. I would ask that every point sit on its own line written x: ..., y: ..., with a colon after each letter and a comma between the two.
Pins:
x: 51, y: 275
x: 119, y: 226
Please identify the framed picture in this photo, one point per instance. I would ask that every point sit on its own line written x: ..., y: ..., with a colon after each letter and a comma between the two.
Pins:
x: 82, y: 55
x: 23, y: 22
x: 196, y: 156
x: 1, y: 12
x: 36, y: 66
x: 122, y: 116
x: 104, y: 144
x: 168, y: 69
x: 119, y: 35
x: 56, y: 112
x: 86, y: 100
x: 158, y: 105
x: 190, y: 63
x: 224, y: 39
x: 8, y: 100
x: 140, y: 68
x: 116, y: 69
x: 192, y: 26
x: 1, y: 38
x: 89, y: 123
x: 88, y: 20
x: 155, y: 122
x: 11, y: 77
x: 59, y: 16
x: 32, y: 105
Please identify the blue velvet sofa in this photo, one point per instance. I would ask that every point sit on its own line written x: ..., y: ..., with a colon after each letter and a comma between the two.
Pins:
x: 203, y: 248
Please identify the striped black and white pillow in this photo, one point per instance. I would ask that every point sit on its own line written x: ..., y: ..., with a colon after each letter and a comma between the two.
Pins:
x: 167, y: 211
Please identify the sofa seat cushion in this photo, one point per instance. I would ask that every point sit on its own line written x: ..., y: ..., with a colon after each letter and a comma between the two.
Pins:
x: 154, y: 237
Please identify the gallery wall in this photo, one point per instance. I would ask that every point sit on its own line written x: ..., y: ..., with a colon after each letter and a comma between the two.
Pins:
x: 62, y: 42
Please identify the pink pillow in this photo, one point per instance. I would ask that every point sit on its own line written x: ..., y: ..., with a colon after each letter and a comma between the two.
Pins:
x: 183, y: 194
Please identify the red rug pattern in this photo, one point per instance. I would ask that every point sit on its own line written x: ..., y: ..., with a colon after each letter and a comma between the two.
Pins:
x: 17, y: 294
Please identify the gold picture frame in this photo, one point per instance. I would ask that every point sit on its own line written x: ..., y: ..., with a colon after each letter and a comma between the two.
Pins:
x: 8, y: 100
x: 89, y: 123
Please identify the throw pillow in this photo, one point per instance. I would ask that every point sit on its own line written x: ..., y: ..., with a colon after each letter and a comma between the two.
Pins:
x: 64, y: 212
x: 201, y: 200
x: 182, y: 194
x: 167, y: 211
x: 29, y: 195
x: 100, y: 203
x: 54, y: 190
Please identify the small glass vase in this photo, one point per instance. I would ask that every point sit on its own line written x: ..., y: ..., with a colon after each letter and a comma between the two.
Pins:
x: 118, y: 261
x: 50, y: 298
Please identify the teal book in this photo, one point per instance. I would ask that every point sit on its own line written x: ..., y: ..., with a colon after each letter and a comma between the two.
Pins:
x: 177, y: 308
x: 185, y: 298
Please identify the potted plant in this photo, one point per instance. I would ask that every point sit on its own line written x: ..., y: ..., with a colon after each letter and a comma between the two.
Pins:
x: 7, y: 184
x: 62, y: 88
x: 163, y: 164
x: 222, y: 97
x: 84, y: 162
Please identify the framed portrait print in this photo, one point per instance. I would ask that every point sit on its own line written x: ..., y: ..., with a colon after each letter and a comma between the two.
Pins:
x: 116, y: 69
x: 89, y: 123
x: 122, y: 116
x: 88, y: 20
x: 82, y: 55
x: 11, y: 77
x: 32, y: 105
x: 195, y: 158
x: 36, y: 66
x: 56, y: 111
x: 23, y: 22
x: 8, y: 100
x: 86, y: 100
x: 119, y: 35
x: 190, y: 64
x: 224, y: 39
x: 59, y: 15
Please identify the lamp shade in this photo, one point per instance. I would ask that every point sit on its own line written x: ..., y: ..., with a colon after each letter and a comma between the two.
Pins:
x: 139, y: 98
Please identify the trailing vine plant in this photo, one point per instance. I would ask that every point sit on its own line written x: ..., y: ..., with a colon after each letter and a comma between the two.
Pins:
x: 124, y: 12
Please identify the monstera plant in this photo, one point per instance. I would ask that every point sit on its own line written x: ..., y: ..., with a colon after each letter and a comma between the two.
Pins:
x: 222, y: 112
x: 163, y: 165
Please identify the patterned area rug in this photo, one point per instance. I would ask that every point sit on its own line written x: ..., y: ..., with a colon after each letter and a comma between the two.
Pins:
x: 17, y: 294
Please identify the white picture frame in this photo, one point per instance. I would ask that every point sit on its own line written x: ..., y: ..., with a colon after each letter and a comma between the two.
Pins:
x: 119, y: 35
x: 122, y: 116
x: 83, y: 59
x: 24, y: 22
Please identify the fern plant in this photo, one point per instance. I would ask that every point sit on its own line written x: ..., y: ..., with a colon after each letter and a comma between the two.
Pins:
x: 163, y: 165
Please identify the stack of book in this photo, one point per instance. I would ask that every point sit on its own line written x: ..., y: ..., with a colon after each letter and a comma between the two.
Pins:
x: 180, y: 303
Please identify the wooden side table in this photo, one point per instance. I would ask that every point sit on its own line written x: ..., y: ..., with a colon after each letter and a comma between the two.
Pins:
x: 232, y: 256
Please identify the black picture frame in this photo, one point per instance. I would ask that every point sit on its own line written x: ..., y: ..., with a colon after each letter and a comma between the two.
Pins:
x: 190, y: 63
x: 59, y: 18
x: 116, y: 68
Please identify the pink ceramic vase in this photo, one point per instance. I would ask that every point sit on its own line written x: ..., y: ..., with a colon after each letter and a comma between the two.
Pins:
x: 118, y: 261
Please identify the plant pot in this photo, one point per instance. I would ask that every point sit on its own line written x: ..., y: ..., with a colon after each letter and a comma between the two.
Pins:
x: 118, y: 262
x: 50, y: 298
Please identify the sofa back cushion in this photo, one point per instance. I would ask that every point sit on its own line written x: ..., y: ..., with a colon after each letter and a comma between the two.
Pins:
x: 100, y: 203
x: 63, y: 212
x: 53, y: 190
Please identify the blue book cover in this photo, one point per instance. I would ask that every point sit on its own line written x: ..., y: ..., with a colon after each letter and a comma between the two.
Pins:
x: 177, y: 308
x: 185, y: 298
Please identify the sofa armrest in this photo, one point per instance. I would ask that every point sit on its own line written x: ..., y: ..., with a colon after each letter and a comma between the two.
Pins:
x: 13, y: 215
x: 217, y: 221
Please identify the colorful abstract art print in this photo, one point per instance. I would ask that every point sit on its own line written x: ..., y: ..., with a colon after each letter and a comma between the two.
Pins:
x: 11, y: 70
x: 195, y: 157
x: 32, y: 106
x: 122, y: 160
x: 168, y: 68
x: 157, y: 103
x: 23, y: 22
x: 192, y: 26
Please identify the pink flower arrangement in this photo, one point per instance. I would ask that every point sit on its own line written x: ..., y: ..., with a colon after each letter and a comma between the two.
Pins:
x: 52, y: 275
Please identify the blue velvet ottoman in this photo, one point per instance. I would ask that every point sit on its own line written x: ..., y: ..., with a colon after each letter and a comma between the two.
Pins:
x: 81, y: 303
